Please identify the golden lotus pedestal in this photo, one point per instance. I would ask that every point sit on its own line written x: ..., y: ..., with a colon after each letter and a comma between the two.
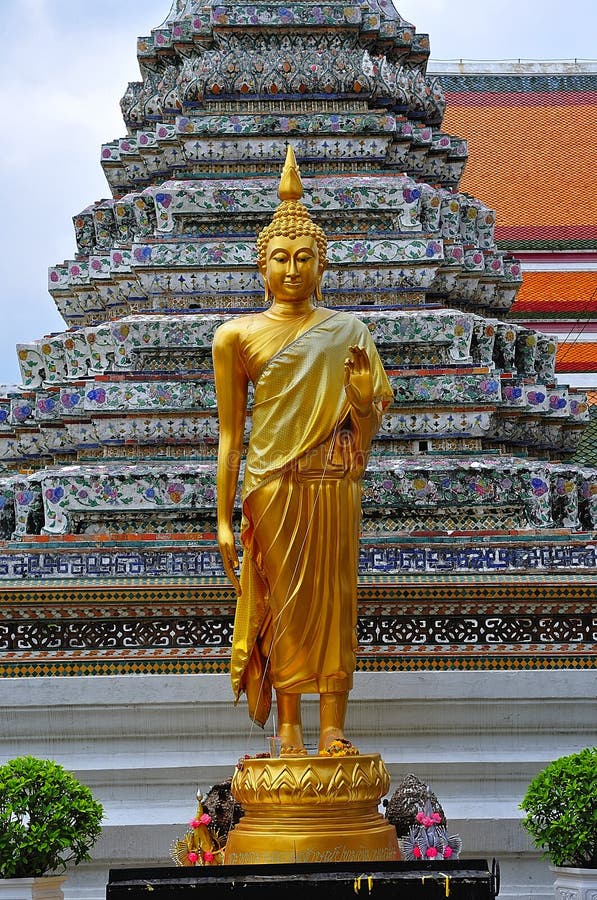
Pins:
x: 314, y: 809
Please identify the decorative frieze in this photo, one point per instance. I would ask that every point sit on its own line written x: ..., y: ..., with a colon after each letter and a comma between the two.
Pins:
x: 68, y: 561
x: 198, y: 632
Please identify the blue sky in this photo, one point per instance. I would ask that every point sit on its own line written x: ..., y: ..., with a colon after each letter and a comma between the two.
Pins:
x: 66, y: 63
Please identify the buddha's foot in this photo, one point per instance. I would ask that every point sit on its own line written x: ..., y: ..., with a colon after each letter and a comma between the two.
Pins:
x: 291, y: 739
x: 329, y: 734
x: 291, y: 751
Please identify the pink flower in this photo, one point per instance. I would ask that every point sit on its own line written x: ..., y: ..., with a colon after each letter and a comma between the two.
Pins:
x: 427, y: 821
x: 207, y: 856
x: 420, y: 816
x: 417, y: 853
x: 431, y: 852
x: 192, y: 856
x: 205, y: 819
x: 436, y: 818
x: 448, y: 852
x: 195, y: 823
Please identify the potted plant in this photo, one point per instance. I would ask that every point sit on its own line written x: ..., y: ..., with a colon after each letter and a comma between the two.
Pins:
x: 47, y: 820
x: 561, y: 818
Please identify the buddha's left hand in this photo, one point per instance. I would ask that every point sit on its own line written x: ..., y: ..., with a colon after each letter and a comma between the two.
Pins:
x: 358, y: 382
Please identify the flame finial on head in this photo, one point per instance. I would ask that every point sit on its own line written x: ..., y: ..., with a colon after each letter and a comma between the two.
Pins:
x: 291, y: 186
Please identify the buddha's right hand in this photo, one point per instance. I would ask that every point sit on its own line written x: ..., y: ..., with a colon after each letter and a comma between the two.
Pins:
x: 229, y: 555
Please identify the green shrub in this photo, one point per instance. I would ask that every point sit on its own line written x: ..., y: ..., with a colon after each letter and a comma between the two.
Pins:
x: 47, y: 818
x: 561, y: 807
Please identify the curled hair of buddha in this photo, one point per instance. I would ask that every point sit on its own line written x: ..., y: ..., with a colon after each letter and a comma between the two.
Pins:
x: 291, y: 218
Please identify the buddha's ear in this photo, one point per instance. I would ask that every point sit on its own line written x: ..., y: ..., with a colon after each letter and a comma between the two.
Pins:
x: 318, y: 293
x: 263, y: 272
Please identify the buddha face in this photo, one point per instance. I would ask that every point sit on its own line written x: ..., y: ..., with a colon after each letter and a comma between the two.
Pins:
x: 292, y: 270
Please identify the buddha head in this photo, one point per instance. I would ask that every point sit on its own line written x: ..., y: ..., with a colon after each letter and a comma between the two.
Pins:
x: 292, y: 248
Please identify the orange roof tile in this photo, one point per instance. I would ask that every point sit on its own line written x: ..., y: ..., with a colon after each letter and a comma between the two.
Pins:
x: 529, y: 160
x: 565, y: 293
x: 577, y: 357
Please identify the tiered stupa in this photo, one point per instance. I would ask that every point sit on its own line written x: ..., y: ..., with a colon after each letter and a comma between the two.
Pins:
x: 478, y: 541
x: 115, y: 428
x: 114, y: 431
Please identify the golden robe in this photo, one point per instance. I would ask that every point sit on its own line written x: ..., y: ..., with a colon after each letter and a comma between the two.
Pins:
x: 295, y: 623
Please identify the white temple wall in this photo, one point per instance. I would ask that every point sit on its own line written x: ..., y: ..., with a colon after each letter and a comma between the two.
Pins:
x: 144, y: 744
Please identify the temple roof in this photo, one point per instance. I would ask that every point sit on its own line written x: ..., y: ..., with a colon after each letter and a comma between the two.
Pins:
x: 562, y: 294
x: 532, y: 158
x: 545, y: 138
x: 577, y: 356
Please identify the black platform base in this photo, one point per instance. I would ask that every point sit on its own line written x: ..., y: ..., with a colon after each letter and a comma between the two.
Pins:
x: 466, y: 879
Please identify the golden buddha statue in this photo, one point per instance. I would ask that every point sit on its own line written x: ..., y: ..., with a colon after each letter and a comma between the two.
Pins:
x: 320, y: 390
